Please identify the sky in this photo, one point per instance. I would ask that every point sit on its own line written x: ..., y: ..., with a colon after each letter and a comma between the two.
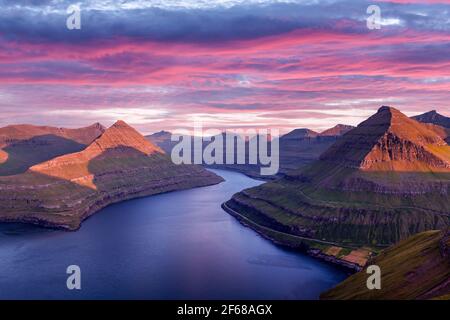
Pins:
x: 167, y: 64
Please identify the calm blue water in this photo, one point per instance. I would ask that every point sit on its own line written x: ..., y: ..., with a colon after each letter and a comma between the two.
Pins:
x: 178, y: 245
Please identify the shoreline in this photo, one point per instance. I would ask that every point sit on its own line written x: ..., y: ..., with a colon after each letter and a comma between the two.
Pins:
x: 302, y: 244
x: 75, y: 221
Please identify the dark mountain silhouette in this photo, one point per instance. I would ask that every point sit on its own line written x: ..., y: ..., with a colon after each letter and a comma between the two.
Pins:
x: 434, y: 118
x: 436, y: 122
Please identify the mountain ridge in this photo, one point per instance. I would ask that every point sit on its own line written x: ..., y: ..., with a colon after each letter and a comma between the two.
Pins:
x: 119, y: 165
x: 433, y: 117
x: 22, y: 146
x: 389, y: 140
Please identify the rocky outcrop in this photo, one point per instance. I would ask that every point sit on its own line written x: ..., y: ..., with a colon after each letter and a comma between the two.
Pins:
x: 391, y: 149
x: 317, y: 253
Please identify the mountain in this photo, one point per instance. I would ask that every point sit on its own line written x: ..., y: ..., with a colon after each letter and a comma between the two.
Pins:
x: 303, y: 146
x: 436, y: 122
x: 297, y: 148
x: 22, y: 146
x: 415, y: 268
x: 119, y: 165
x: 337, y: 130
x: 297, y: 134
x: 389, y: 140
x: 380, y: 183
x: 434, y: 118
x: 163, y: 140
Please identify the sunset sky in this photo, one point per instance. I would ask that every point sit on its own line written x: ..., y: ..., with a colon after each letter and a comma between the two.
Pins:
x: 229, y: 63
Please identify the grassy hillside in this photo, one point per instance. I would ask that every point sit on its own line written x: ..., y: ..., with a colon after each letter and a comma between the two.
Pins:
x: 415, y: 268
x: 359, y: 218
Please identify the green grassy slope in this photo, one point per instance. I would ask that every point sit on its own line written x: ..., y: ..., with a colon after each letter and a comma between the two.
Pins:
x: 415, y: 268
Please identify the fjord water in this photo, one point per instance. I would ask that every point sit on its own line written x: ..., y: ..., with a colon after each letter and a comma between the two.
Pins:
x: 179, y: 245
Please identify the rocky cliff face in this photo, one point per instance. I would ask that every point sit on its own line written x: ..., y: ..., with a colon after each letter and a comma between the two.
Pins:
x: 391, y: 141
x: 120, y: 164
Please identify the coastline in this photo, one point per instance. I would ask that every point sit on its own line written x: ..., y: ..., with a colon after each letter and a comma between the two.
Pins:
x: 73, y: 222
x: 312, y: 247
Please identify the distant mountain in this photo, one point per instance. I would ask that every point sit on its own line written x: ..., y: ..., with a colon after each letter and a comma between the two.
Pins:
x: 381, y: 182
x: 437, y: 122
x: 434, y: 118
x: 417, y: 268
x: 298, y: 134
x: 297, y: 148
x: 337, y: 130
x: 163, y: 140
x: 119, y: 165
x: 22, y: 146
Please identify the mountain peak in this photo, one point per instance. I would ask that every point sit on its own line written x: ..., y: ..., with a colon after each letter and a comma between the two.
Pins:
x: 122, y: 135
x: 161, y: 133
x: 389, y: 140
x: 98, y: 125
x: 337, y: 130
x: 121, y: 124
x: 117, y: 142
x: 433, y: 117
x: 300, y: 134
x: 386, y: 108
x: 388, y: 114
